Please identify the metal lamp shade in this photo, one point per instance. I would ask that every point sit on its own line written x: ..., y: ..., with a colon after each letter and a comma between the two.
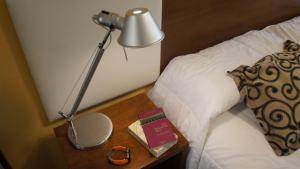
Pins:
x: 139, y: 29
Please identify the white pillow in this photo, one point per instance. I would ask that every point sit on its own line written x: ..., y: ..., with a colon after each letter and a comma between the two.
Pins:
x: 200, y: 79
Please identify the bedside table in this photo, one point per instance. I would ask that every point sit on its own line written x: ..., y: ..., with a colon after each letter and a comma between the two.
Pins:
x: 122, y: 115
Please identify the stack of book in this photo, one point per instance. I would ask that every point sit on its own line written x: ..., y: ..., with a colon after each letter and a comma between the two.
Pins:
x: 154, y: 131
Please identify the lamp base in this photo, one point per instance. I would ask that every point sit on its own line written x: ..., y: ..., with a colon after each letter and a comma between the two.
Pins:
x: 91, y: 129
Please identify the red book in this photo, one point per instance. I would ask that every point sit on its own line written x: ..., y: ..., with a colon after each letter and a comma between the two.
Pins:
x: 156, y: 127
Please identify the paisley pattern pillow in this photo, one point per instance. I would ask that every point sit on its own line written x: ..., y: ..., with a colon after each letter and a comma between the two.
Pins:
x: 271, y: 88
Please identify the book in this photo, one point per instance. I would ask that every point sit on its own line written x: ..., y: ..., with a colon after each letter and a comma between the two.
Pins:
x: 136, y: 130
x: 156, y: 127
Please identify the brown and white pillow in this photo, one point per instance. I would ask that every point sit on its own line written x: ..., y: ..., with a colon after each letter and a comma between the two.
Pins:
x: 271, y: 88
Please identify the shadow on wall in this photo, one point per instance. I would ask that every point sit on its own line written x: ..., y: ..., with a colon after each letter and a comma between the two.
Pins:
x: 45, y: 155
x: 3, y: 162
x: 26, y: 137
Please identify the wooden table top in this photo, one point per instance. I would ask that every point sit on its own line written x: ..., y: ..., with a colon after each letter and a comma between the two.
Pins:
x: 122, y: 115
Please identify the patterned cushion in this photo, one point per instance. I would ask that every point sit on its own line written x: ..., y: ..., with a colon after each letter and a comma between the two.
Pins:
x: 290, y: 46
x: 271, y: 88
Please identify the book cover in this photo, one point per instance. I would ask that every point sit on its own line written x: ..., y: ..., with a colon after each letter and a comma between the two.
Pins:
x: 156, y: 127
x: 136, y: 130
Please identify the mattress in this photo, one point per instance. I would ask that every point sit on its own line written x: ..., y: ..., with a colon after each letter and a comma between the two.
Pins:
x: 235, y: 141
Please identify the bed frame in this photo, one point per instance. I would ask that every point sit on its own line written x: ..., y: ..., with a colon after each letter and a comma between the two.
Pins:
x: 193, y: 25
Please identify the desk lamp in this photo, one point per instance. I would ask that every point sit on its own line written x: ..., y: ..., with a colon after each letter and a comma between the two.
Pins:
x: 138, y: 29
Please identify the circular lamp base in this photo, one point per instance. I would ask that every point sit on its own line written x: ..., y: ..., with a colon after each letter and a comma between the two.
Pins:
x: 91, y: 129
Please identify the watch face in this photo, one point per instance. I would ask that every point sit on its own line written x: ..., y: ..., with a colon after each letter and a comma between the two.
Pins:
x: 119, y: 155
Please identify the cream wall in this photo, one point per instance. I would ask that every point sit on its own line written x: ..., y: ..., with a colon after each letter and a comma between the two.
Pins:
x: 26, y: 138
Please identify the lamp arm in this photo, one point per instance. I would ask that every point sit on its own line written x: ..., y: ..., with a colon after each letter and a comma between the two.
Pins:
x: 89, y: 76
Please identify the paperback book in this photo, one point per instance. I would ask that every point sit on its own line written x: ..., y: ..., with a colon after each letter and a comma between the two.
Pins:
x: 136, y: 130
x: 157, y: 128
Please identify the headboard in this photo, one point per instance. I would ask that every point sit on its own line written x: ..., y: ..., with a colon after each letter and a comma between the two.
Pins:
x: 193, y: 25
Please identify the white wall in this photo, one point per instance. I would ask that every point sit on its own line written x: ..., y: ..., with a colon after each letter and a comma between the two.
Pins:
x: 58, y: 37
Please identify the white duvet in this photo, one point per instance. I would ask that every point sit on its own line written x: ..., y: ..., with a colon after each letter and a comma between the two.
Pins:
x: 235, y: 141
x: 194, y: 89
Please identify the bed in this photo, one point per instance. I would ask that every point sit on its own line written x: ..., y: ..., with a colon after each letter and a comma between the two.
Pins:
x: 204, y: 40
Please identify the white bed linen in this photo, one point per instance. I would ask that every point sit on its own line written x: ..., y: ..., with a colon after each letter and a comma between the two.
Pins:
x: 235, y: 141
x: 179, y: 90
